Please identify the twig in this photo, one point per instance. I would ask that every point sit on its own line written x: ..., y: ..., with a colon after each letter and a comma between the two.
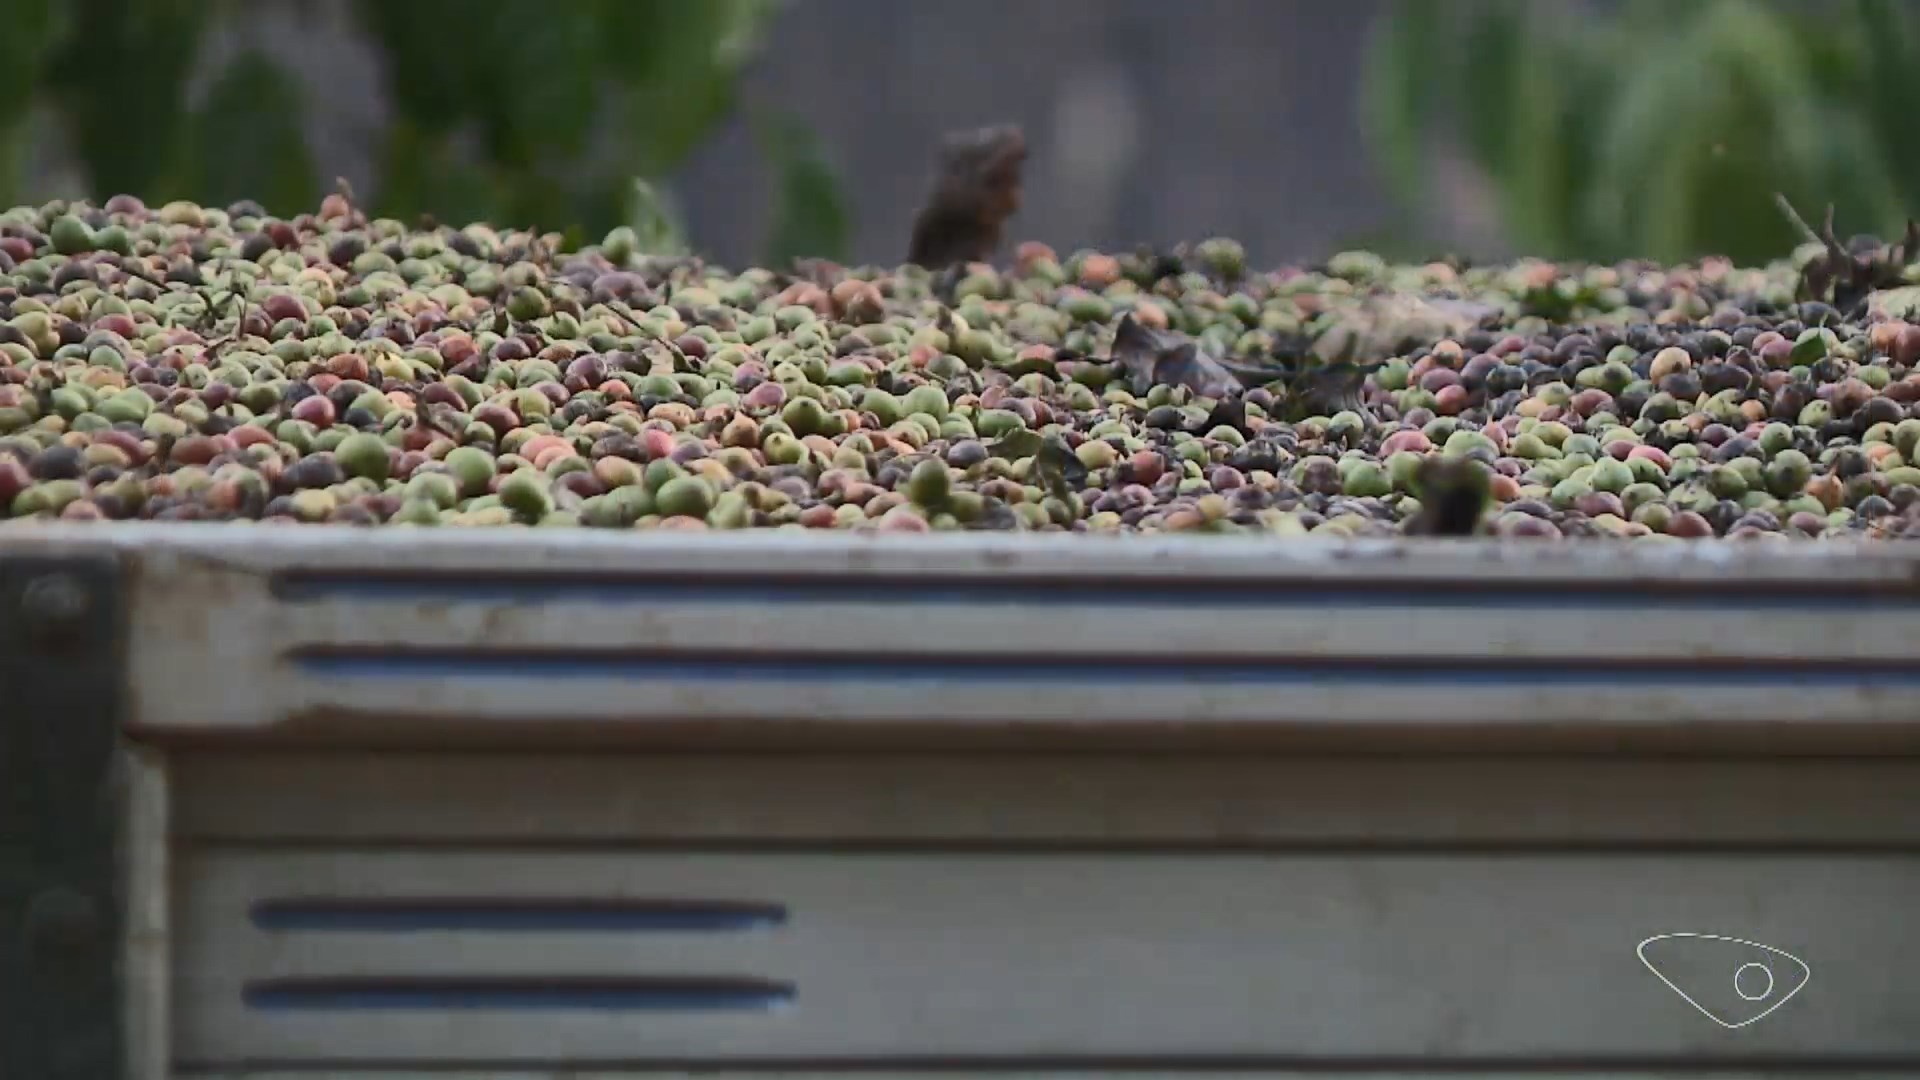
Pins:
x: 1798, y: 222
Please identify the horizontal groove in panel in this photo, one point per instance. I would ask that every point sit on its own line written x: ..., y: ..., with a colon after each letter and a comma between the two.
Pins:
x: 1519, y: 627
x: 1194, y: 593
x: 1270, y: 669
x: 472, y: 955
x: 463, y: 954
x: 514, y: 994
x: 509, y: 914
x: 481, y: 663
x: 1015, y: 799
x: 1073, y: 708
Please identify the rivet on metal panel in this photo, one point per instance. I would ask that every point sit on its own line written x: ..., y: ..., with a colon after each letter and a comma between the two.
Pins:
x: 54, y: 605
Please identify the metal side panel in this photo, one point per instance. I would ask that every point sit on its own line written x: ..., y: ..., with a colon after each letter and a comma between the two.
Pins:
x: 999, y: 911
x: 500, y: 958
x: 342, y: 633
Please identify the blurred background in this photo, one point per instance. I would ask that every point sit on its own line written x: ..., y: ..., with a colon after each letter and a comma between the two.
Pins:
x: 760, y: 129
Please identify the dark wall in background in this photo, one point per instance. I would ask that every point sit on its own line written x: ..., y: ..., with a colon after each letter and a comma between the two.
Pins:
x: 1148, y: 121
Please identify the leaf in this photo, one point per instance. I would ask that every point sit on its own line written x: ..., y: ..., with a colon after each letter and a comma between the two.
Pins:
x: 635, y: 35
x: 1699, y: 178
x: 653, y: 220
x: 527, y: 72
x: 809, y: 213
x: 1546, y: 137
x: 15, y: 145
x: 1587, y: 87
x: 534, y: 80
x: 1017, y: 444
x: 1058, y: 468
x: 1495, y: 44
x: 1889, y: 31
x: 1853, y: 167
x: 431, y: 44
x: 418, y: 175
x: 1504, y: 79
x: 549, y: 112
x: 1404, y: 82
x: 677, y: 74
x: 1661, y: 130
x: 248, y: 141
x: 121, y: 86
x: 665, y: 122
x: 34, y: 27
x: 660, y: 43
x: 531, y: 198
x: 35, y: 30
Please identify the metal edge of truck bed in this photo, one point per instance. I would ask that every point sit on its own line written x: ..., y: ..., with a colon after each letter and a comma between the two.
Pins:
x: 832, y: 641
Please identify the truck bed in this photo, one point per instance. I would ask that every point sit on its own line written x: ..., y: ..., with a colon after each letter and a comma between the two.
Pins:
x: 532, y: 803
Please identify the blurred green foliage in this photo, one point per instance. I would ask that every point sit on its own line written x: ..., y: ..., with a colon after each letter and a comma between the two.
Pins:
x: 1660, y: 130
x: 558, y: 115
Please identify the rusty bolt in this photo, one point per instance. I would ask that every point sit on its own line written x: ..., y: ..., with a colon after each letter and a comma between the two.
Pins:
x: 54, y: 604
